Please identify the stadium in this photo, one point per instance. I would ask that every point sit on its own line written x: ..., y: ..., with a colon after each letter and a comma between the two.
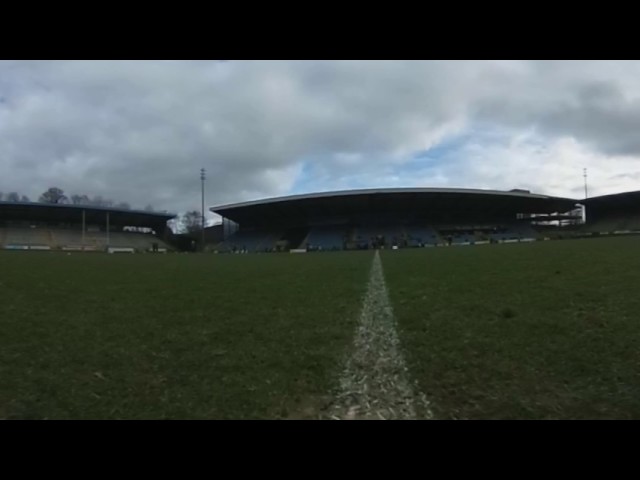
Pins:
x: 387, y: 322
x: 328, y: 221
x: 319, y: 239
x: 40, y: 226
x: 416, y: 217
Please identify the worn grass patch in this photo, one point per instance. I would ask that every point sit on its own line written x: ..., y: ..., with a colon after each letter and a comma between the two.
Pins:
x: 524, y: 331
x: 174, y: 336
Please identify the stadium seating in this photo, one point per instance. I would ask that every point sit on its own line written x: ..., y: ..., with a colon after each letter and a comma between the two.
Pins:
x: 71, y: 238
x: 511, y: 233
x: 463, y: 239
x: 326, y: 238
x: 138, y: 241
x: 26, y: 236
x: 250, y: 241
x: 524, y: 230
x: 364, y: 235
x: 270, y: 241
x: 504, y: 236
x: 58, y: 238
x: 422, y: 235
x: 613, y: 224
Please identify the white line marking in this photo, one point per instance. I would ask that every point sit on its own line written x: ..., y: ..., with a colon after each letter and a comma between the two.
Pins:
x: 375, y: 383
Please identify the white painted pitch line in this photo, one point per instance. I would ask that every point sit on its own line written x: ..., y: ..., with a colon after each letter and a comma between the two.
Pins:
x: 375, y: 383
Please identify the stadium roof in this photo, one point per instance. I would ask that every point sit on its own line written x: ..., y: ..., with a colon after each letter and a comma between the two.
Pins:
x: 27, y: 211
x: 614, y: 201
x: 450, y: 203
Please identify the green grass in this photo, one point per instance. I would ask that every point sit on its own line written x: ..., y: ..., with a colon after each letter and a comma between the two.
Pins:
x: 527, y: 331
x: 174, y: 336
x: 542, y: 331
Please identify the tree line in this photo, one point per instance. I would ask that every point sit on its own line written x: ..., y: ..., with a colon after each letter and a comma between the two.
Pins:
x: 55, y: 195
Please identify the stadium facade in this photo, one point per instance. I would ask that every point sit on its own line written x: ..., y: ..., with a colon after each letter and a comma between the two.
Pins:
x: 41, y: 226
x: 339, y: 220
x: 392, y: 218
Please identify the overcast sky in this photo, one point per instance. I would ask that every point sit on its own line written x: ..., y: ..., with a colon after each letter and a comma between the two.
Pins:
x: 139, y: 131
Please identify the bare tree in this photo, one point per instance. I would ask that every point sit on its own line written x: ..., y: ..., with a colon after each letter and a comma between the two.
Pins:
x: 13, y: 197
x: 191, y: 222
x: 53, y: 195
x: 24, y: 199
x: 148, y: 208
x: 80, y: 200
x: 98, y: 201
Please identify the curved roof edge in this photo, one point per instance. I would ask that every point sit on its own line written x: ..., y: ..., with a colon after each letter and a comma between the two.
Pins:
x: 609, y: 196
x: 369, y: 191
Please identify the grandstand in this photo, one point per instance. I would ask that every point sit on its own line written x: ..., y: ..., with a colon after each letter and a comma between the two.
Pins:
x: 325, y: 237
x: 420, y: 235
x: 388, y: 218
x: 611, y: 214
x: 342, y: 220
x: 35, y: 226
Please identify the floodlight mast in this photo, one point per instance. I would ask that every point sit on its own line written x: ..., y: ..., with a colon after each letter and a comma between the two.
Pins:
x: 584, y: 174
x: 202, y: 178
x: 586, y: 194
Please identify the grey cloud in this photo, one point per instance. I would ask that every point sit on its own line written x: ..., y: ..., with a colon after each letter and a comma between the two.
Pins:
x: 143, y: 129
x: 626, y: 176
x: 140, y: 131
x: 593, y: 102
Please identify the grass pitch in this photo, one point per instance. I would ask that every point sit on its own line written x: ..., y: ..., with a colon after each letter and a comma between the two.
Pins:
x: 522, y: 331
x: 526, y: 331
x: 174, y: 336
